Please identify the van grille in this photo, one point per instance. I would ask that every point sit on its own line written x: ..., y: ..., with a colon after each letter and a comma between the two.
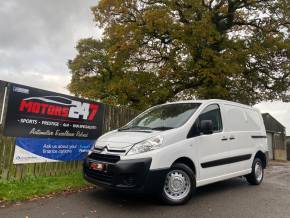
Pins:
x: 98, y: 175
x: 111, y: 150
x: 104, y: 157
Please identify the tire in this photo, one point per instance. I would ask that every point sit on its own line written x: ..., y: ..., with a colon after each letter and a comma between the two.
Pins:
x: 173, y: 190
x: 257, y: 175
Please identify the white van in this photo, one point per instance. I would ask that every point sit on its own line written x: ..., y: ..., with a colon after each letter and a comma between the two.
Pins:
x: 173, y: 148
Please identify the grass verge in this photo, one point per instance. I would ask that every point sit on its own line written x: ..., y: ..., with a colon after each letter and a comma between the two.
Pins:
x: 31, y: 187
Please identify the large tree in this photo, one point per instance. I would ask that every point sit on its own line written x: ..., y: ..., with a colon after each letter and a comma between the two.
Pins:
x: 153, y: 51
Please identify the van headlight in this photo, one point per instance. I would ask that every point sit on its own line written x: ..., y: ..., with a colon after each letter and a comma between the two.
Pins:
x: 147, y: 145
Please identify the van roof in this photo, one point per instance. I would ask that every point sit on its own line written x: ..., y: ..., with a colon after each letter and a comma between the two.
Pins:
x: 214, y: 101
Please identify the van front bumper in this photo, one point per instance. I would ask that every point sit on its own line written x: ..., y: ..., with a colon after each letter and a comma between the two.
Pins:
x: 127, y: 175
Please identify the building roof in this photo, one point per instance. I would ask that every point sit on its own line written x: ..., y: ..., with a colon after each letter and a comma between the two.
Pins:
x: 273, y: 125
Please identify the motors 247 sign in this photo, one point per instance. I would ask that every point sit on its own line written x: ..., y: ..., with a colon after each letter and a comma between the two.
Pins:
x: 37, y: 113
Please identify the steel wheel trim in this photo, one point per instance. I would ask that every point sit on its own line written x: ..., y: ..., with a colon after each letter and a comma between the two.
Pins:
x: 258, y: 171
x: 177, y: 185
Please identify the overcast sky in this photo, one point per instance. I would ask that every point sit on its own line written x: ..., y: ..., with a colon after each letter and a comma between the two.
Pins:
x: 38, y: 37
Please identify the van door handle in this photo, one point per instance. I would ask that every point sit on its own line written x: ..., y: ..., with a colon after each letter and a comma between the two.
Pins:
x: 224, y: 138
x: 232, y: 137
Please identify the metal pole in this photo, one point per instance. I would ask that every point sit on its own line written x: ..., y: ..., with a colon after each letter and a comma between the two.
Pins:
x: 3, y: 105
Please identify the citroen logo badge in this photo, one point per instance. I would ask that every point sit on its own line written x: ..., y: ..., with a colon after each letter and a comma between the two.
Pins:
x: 105, y: 149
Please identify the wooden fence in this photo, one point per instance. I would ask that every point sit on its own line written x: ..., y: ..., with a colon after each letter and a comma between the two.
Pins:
x: 114, y: 117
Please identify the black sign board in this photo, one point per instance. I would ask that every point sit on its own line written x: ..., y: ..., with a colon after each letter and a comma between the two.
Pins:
x: 38, y: 113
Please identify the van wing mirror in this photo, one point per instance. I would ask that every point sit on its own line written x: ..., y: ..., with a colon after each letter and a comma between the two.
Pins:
x: 206, y: 127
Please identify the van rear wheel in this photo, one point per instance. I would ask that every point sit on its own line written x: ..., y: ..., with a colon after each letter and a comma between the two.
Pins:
x: 179, y: 185
x: 257, y: 174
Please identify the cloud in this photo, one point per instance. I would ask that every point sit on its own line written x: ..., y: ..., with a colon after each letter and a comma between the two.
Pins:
x: 279, y: 110
x: 56, y: 83
x: 38, y: 37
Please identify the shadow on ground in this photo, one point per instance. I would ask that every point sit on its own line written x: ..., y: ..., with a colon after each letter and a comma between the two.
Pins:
x: 142, y: 200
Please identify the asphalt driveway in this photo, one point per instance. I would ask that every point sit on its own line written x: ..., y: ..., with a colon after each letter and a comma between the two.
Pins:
x: 232, y: 198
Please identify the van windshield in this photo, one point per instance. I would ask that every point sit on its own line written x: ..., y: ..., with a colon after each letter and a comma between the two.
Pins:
x: 163, y: 117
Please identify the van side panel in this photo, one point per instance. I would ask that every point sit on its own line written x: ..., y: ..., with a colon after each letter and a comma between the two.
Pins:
x: 246, y: 128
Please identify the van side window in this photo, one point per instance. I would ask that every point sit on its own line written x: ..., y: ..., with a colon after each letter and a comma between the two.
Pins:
x: 211, y: 112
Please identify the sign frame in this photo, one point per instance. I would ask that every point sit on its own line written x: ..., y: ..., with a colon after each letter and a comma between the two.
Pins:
x: 33, y: 112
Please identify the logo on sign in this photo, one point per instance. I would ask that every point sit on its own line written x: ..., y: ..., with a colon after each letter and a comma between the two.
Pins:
x: 20, y: 90
x: 60, y: 107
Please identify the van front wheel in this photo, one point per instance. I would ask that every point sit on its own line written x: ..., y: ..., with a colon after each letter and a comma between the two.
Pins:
x: 179, y: 185
x: 257, y: 174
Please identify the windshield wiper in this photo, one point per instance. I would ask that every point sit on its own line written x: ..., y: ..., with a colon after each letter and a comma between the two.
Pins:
x: 162, y: 128
x: 135, y: 128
